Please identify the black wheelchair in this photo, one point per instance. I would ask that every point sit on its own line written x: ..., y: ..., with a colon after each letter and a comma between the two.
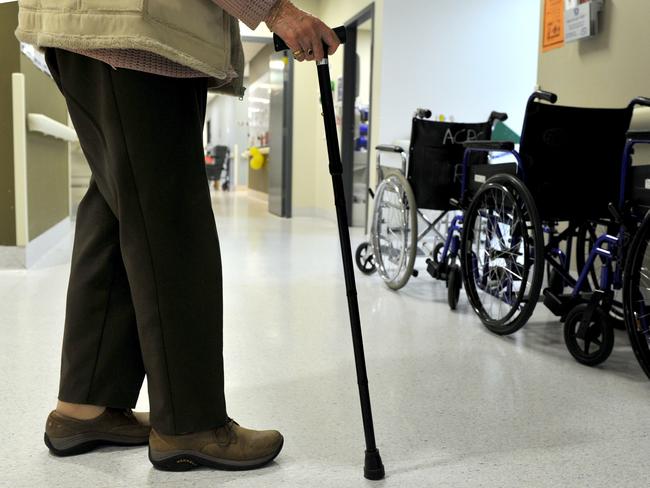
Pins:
x: 427, y: 180
x: 562, y: 186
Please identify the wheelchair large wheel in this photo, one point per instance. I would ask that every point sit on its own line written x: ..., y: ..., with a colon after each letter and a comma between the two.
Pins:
x: 394, y: 230
x: 502, y: 254
x: 636, y: 295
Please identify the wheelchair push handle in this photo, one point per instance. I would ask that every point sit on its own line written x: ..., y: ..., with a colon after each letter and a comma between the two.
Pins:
x: 544, y: 95
x: 640, y: 101
x: 642, y: 136
x: 280, y: 45
x: 500, y: 116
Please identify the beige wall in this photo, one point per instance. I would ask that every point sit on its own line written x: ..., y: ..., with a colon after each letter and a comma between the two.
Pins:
x: 47, y: 158
x: 258, y: 179
x: 9, y: 63
x: 305, y: 119
x: 609, y: 69
x: 259, y: 65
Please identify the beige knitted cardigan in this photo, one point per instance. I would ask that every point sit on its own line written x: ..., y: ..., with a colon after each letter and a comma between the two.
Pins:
x: 250, y: 12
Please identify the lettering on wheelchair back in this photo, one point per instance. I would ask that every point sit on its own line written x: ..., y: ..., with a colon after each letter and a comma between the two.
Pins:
x: 436, y: 151
x: 463, y: 135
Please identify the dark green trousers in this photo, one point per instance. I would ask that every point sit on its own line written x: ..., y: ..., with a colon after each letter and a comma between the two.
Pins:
x: 145, y: 290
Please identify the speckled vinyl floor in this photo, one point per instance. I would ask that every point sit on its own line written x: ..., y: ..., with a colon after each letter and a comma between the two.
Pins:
x: 454, y: 405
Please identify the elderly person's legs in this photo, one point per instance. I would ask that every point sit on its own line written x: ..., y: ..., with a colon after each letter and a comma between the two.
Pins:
x: 149, y: 208
x: 145, y: 292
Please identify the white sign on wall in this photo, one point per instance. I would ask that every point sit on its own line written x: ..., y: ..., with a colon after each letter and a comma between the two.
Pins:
x: 577, y: 23
x: 581, y: 20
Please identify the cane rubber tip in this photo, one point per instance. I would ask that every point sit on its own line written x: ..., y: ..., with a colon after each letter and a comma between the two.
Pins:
x: 373, y: 469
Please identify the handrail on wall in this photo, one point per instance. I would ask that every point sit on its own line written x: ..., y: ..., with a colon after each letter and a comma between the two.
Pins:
x: 50, y: 127
x: 22, y: 122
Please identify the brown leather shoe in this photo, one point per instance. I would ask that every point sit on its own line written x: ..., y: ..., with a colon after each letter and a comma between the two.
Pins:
x: 230, y: 447
x: 65, y: 436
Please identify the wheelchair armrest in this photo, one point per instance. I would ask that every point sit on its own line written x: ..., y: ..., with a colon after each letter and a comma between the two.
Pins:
x: 506, y: 146
x: 639, y: 135
x: 388, y: 148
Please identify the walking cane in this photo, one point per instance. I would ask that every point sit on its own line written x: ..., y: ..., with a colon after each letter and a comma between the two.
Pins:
x: 373, y: 468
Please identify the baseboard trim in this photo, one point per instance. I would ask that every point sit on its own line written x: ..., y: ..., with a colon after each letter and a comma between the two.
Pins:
x: 328, y: 214
x: 12, y: 257
x: 258, y: 196
x: 24, y: 257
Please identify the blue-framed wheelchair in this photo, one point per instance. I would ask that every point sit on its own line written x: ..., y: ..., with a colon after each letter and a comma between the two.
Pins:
x: 426, y: 181
x: 546, y: 210
x: 592, y: 309
x: 634, y: 207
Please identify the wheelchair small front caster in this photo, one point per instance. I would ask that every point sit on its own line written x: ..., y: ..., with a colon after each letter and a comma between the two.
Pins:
x: 365, y: 259
x: 589, y: 342
x: 454, y: 284
x: 436, y: 255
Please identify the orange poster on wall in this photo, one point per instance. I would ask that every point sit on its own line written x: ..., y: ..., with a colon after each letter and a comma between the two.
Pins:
x: 553, y: 25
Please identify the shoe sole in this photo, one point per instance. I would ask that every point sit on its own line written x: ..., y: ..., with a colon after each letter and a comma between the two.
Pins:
x: 186, y: 460
x: 83, y: 443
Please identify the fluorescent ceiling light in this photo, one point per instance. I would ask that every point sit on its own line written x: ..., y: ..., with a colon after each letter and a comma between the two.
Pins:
x: 258, y: 100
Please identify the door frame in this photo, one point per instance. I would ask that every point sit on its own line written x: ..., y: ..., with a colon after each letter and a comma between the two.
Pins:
x: 349, y: 99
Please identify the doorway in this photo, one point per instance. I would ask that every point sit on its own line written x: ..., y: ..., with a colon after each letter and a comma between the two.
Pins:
x: 258, y: 129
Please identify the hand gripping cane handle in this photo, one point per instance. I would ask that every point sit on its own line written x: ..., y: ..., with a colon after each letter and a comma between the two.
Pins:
x: 280, y: 45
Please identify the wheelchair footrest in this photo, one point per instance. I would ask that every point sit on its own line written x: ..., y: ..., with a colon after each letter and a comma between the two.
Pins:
x: 560, y: 305
x: 437, y: 271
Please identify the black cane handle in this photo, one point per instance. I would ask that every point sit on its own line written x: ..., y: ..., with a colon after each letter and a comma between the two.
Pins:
x: 280, y: 45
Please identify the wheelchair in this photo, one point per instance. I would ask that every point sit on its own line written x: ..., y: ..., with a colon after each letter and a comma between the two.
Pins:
x: 566, y: 176
x: 218, y: 167
x: 427, y: 180
x: 636, y: 275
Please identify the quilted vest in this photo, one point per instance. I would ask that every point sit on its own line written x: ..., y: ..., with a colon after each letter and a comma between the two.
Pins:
x: 195, y: 33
